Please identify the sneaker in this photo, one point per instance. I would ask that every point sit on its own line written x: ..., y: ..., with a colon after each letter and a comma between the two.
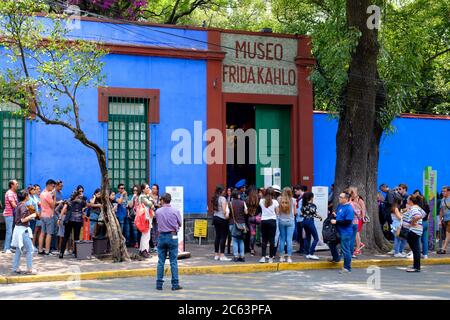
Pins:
x: 262, y: 260
x: 41, y: 252
x: 391, y: 252
x: 313, y: 257
x: 289, y: 260
x: 51, y: 254
x: 399, y: 255
x: 344, y: 271
x: 8, y: 251
x: 308, y: 256
x: 236, y: 259
x: 216, y: 258
x: 425, y: 256
x: 242, y: 259
x: 224, y: 259
x: 282, y: 259
x: 270, y: 260
x: 410, y: 255
x: 412, y: 270
x: 31, y: 272
x: 177, y: 288
x: 332, y: 260
x: 353, y: 255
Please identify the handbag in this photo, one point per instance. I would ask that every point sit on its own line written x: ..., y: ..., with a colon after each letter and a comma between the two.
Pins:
x: 403, y: 233
x: 239, y: 229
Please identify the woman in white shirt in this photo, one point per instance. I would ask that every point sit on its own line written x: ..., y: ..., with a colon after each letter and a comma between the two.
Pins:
x: 269, y: 207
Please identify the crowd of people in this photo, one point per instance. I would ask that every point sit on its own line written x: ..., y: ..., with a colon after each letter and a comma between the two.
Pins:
x: 276, y: 218
x: 46, y: 224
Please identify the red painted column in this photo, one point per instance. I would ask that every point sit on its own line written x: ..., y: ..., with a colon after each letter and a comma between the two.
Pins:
x: 215, y: 112
x: 304, y: 62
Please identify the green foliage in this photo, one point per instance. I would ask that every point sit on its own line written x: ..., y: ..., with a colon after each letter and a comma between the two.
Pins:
x: 43, y: 63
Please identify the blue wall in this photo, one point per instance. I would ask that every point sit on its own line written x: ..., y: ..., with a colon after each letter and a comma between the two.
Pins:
x: 52, y: 152
x: 415, y: 144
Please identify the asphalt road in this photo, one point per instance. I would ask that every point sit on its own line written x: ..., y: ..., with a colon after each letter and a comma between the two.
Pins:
x: 384, y: 283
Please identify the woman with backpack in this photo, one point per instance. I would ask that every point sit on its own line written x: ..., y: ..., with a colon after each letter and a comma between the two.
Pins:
x: 220, y: 223
x: 146, y: 198
x: 309, y: 212
x: 270, y: 208
x: 238, y: 228
x: 286, y: 220
x: 254, y: 217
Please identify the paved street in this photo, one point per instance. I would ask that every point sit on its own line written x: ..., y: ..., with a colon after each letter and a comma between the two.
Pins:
x: 432, y: 283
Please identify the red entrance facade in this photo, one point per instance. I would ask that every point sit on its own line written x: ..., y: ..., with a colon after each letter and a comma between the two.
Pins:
x: 302, y: 151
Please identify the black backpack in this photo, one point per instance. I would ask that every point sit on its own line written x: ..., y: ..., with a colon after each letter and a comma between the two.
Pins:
x: 329, y: 231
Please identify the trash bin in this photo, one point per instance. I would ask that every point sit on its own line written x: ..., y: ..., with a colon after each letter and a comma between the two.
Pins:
x: 101, y: 246
x: 84, y: 249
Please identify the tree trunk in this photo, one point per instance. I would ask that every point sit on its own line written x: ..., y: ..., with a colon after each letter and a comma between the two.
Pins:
x: 114, y: 233
x: 358, y: 136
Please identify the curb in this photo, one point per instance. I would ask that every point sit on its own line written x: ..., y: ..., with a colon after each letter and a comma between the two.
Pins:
x: 216, y: 269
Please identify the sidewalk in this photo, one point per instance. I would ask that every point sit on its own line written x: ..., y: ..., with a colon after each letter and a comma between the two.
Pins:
x: 201, y: 262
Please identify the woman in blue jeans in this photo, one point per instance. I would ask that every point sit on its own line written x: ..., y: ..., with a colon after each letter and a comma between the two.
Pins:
x: 309, y: 212
x: 399, y: 244
x: 286, y: 222
x: 95, y: 206
x: 238, y: 210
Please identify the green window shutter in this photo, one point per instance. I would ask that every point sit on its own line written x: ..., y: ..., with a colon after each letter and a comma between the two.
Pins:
x: 12, y: 131
x: 127, y: 141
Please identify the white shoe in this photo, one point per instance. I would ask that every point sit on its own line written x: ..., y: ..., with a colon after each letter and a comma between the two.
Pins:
x: 8, y: 251
x: 270, y: 260
x: 399, y: 255
x: 391, y: 252
x: 410, y: 255
x: 224, y: 259
x: 308, y: 256
x: 66, y: 253
x: 313, y: 257
x: 289, y: 260
x: 282, y: 259
x: 262, y: 260
x: 216, y: 258
x: 425, y: 257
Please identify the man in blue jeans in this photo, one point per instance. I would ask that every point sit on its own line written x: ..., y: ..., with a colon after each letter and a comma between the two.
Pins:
x: 344, y: 220
x: 169, y: 222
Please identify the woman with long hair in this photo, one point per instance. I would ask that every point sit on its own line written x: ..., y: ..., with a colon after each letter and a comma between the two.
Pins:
x: 269, y: 207
x: 254, y: 217
x: 146, y: 198
x: 286, y: 223
x: 359, y: 207
x: 396, y: 214
x: 309, y: 212
x: 238, y: 210
x: 72, y: 215
x: 220, y: 222
x: 426, y: 209
x: 132, y: 207
x: 154, y: 233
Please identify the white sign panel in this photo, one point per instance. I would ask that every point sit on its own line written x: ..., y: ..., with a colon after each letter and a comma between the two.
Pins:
x: 259, y: 64
x: 177, y: 203
x: 267, y: 173
x: 321, y: 201
x: 277, y: 176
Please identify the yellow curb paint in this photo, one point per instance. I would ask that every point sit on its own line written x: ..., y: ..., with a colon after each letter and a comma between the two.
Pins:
x: 219, y: 269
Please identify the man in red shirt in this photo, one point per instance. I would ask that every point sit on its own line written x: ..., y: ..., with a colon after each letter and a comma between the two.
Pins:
x: 48, y: 201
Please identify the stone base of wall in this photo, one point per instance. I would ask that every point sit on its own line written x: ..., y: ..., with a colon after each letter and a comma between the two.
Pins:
x: 189, y: 221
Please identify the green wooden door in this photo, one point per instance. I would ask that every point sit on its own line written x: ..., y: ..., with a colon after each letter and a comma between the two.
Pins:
x: 271, y: 117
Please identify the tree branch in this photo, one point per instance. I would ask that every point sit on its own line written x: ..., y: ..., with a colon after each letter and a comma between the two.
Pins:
x: 437, y: 55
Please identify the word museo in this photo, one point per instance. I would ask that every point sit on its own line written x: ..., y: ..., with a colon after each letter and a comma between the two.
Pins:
x: 235, y: 140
